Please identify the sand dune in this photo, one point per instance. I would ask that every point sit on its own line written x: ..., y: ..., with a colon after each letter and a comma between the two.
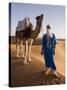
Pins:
x: 59, y: 56
x: 33, y: 73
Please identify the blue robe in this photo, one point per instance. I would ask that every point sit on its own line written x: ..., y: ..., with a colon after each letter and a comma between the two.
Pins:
x: 48, y: 47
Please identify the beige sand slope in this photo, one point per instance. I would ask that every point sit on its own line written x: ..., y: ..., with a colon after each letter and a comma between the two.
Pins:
x: 59, y: 56
x: 33, y: 73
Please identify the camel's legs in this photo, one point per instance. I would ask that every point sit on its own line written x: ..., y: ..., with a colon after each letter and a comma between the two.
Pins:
x: 22, y: 49
x: 26, y: 46
x: 17, y: 49
x: 30, y: 41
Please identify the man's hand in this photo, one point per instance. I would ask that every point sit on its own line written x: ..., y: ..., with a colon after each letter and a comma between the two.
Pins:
x: 42, y: 52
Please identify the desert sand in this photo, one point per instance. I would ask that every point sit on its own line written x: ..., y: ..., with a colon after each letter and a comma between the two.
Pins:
x: 59, y: 56
x: 33, y: 73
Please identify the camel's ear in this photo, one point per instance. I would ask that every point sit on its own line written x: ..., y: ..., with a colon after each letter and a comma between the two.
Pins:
x: 42, y: 15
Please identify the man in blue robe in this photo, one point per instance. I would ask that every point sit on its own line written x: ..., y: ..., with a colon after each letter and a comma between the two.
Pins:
x: 48, y: 49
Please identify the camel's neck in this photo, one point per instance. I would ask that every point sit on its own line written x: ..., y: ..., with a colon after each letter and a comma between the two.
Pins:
x: 36, y: 32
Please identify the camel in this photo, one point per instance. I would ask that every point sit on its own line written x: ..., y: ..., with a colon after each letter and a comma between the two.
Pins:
x: 27, y: 37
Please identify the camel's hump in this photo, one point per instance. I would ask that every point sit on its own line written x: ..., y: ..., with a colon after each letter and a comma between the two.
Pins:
x: 22, y: 24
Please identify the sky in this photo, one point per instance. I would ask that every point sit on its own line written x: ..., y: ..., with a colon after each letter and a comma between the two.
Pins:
x: 53, y: 15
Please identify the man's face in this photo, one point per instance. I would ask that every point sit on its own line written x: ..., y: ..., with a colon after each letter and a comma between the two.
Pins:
x: 49, y: 31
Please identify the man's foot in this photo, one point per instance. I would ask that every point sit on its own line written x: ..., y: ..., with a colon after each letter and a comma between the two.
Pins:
x: 55, y: 73
x: 48, y: 71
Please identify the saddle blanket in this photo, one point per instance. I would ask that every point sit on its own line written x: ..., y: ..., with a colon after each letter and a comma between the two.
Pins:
x: 23, y: 24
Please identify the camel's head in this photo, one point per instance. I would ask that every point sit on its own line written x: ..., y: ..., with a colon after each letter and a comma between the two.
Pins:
x: 39, y: 19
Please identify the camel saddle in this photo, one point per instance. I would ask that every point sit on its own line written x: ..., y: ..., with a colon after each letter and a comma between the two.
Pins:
x: 23, y: 24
